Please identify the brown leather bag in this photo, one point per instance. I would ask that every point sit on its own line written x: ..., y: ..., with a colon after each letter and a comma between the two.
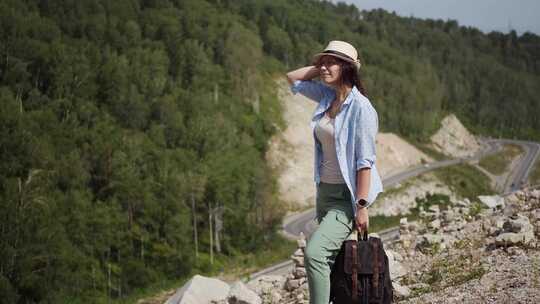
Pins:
x: 361, y: 266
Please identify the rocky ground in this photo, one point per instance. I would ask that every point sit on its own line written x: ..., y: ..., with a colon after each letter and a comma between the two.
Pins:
x: 467, y: 252
x: 472, y: 255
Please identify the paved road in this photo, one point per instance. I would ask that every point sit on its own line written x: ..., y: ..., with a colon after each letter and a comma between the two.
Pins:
x: 520, y: 174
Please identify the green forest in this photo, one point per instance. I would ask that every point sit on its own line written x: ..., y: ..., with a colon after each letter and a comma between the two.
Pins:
x: 134, y: 132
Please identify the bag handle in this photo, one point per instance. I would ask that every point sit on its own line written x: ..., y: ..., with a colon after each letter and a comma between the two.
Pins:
x: 356, y: 231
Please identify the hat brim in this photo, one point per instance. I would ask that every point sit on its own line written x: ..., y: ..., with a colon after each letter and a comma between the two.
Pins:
x: 316, y: 58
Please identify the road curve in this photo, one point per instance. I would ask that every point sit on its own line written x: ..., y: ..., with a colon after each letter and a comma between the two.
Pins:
x: 520, y: 174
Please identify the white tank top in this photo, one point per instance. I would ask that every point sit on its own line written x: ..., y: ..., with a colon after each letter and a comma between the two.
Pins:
x: 330, y: 172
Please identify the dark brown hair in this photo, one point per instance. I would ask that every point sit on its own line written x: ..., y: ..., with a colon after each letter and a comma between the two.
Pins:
x: 351, y: 76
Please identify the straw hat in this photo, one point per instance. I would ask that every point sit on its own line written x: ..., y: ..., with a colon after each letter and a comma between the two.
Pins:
x: 341, y: 50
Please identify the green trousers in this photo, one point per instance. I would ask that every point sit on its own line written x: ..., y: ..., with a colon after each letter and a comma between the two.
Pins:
x: 334, y: 215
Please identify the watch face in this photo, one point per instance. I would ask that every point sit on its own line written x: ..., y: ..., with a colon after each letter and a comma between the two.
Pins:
x: 362, y: 202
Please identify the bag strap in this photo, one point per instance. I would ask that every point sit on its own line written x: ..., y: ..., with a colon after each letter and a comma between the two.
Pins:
x: 354, y: 271
x: 375, y: 278
x: 355, y: 262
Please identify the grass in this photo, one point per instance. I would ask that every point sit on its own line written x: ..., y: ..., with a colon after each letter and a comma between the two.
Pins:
x: 394, y: 190
x: 451, y: 271
x: 228, y: 268
x: 497, y: 163
x: 428, y: 150
x: 380, y: 222
x: 534, y: 177
x: 275, y: 251
x: 465, y: 180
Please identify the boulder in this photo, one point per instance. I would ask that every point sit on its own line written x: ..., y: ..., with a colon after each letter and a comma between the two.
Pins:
x: 301, y: 241
x: 200, y: 290
x: 293, y: 284
x: 241, y: 294
x: 401, y: 291
x: 492, y: 201
x: 513, y: 239
x: 511, y: 209
x: 299, y: 252
x: 275, y: 297
x: 448, y: 215
x: 298, y: 261
x: 518, y: 224
x: 517, y: 231
x: 300, y: 272
x: 435, y: 224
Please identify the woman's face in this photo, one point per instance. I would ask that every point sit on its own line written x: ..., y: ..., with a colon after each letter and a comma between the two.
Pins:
x: 329, y: 69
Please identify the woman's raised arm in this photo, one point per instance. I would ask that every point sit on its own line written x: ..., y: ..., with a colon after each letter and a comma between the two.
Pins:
x: 304, y: 73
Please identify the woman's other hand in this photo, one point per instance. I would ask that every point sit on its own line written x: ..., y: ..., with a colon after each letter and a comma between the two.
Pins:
x: 362, y: 219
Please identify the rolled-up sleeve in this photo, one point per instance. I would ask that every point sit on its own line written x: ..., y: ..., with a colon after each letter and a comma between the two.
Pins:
x: 313, y: 90
x: 367, y: 127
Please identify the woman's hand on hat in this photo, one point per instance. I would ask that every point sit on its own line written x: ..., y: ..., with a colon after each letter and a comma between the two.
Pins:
x: 304, y: 73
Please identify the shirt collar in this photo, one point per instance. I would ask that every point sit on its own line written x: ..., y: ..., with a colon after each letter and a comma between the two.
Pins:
x: 353, y: 93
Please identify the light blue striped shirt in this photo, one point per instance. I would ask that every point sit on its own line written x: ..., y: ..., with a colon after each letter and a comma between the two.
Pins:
x: 356, y: 126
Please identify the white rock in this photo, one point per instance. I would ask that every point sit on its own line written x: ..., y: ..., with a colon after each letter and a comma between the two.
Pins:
x: 393, y: 255
x: 435, y: 224
x: 498, y: 222
x: 511, y: 238
x: 434, y: 208
x: 275, y: 297
x: 292, y: 284
x: 492, y: 201
x: 396, y: 269
x: 300, y: 272
x: 298, y: 261
x: 401, y: 291
x: 433, y: 238
x: 448, y: 215
x: 519, y: 224
x: 241, y: 294
x: 200, y: 290
x: 301, y: 241
x: 535, y: 215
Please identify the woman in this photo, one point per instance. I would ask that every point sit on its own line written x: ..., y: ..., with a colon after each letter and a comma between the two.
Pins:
x: 344, y: 127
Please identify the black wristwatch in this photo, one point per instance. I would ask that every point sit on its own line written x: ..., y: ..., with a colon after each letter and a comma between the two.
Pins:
x: 361, y: 203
